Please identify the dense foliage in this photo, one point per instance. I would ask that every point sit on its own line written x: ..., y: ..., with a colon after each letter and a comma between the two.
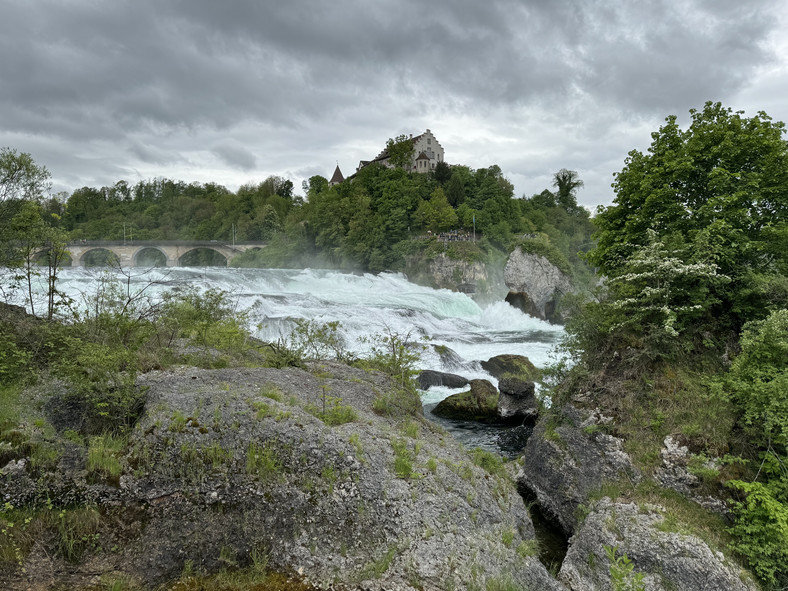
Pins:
x: 688, y: 336
x: 367, y: 222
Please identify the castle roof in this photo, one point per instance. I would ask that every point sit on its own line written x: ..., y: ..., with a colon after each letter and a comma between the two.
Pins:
x: 337, y: 178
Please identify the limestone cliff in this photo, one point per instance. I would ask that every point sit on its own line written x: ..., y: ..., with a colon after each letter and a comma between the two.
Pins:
x: 535, y: 284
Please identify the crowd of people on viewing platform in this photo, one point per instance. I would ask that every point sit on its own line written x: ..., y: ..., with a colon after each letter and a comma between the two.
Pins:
x: 450, y: 236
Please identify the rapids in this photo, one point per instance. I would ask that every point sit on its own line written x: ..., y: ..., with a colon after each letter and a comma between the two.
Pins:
x: 363, y: 304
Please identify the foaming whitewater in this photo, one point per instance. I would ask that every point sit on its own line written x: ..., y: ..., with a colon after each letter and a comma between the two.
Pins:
x: 363, y: 304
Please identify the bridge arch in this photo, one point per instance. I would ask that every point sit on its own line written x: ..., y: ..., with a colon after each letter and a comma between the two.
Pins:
x: 202, y: 256
x: 149, y: 256
x: 99, y: 257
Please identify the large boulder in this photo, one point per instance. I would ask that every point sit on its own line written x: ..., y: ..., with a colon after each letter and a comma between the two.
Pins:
x: 535, y: 284
x: 429, y: 378
x: 456, y: 274
x: 517, y: 400
x: 231, y: 464
x: 480, y: 403
x: 568, y: 457
x: 511, y: 365
x: 669, y: 560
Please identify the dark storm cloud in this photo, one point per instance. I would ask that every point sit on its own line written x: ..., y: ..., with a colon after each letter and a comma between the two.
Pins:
x: 234, y: 154
x: 203, y: 85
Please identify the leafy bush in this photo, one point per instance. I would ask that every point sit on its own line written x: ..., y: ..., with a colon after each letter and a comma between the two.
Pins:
x: 15, y: 361
x: 622, y: 575
x: 394, y: 354
x: 208, y: 318
x: 333, y: 412
x: 758, y: 379
x: 101, y: 387
x: 761, y: 528
x: 318, y: 340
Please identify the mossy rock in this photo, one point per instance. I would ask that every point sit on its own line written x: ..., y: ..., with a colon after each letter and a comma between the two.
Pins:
x: 517, y: 366
x: 480, y: 403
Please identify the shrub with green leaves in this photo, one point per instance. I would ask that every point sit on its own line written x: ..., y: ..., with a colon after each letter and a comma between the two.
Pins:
x: 209, y: 318
x: 622, y: 575
x: 101, y: 386
x: 319, y: 340
x: 761, y: 528
x: 758, y: 379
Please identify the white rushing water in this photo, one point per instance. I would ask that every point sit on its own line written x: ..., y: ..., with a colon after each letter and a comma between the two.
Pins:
x: 363, y: 305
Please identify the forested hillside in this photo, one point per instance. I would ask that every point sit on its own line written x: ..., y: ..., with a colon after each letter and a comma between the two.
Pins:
x: 372, y: 221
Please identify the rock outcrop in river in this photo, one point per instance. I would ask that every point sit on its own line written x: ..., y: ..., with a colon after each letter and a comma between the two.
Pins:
x: 535, y: 284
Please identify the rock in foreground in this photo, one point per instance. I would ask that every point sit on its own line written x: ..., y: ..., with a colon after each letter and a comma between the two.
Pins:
x: 225, y: 465
x: 667, y: 559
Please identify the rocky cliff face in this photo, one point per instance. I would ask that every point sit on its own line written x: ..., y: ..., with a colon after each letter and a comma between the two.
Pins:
x: 667, y: 559
x: 568, y: 461
x: 567, y: 458
x: 535, y: 284
x: 225, y: 465
x: 444, y: 272
x: 448, y: 272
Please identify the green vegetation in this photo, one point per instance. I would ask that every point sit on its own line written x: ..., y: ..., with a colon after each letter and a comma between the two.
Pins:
x: 376, y: 569
x: 403, y: 459
x: 493, y: 464
x: 376, y: 221
x: 263, y: 462
x: 688, y: 336
x: 104, y: 456
x: 622, y: 575
x: 332, y: 412
x: 70, y: 532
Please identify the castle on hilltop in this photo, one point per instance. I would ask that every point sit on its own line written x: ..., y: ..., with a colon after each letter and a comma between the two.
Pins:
x: 427, y: 152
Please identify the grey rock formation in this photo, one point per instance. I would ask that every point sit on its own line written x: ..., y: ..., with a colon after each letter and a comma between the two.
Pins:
x: 510, y: 365
x: 429, y: 378
x: 480, y: 403
x: 227, y: 463
x: 674, y: 473
x: 568, y: 457
x: 535, y: 284
x: 670, y: 561
x: 453, y: 274
x: 517, y: 401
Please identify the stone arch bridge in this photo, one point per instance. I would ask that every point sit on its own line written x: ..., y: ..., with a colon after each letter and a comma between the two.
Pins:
x: 128, y: 252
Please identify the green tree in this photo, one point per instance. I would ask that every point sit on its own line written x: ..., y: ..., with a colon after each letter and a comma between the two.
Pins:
x: 442, y: 173
x: 455, y: 190
x: 436, y: 214
x: 567, y: 182
x: 720, y: 188
x: 21, y: 177
x: 400, y: 151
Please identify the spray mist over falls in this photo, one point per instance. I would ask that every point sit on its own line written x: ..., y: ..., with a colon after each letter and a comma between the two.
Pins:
x: 363, y: 305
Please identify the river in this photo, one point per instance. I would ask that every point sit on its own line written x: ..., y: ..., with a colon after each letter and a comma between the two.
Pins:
x: 363, y: 304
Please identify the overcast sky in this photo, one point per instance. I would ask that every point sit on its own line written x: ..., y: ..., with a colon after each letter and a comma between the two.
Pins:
x: 235, y: 91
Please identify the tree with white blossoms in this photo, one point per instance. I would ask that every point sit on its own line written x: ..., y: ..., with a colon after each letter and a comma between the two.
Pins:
x: 659, y: 293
